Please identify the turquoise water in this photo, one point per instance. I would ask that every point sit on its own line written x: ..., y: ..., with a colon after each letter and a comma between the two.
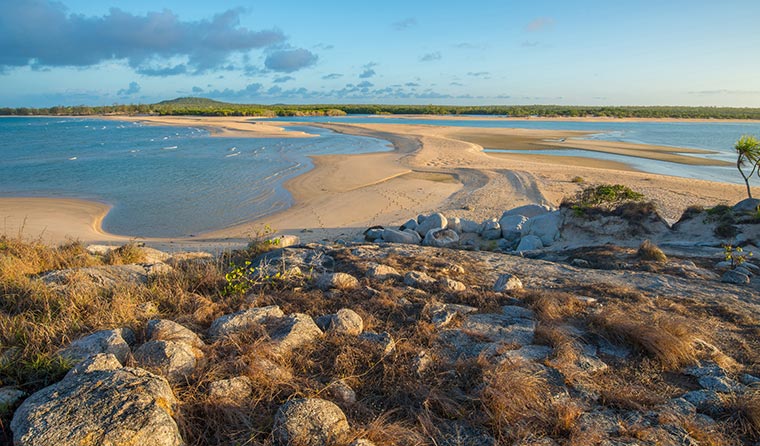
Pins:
x: 161, y: 181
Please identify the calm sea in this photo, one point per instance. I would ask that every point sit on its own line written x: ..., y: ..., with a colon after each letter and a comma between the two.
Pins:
x: 161, y: 181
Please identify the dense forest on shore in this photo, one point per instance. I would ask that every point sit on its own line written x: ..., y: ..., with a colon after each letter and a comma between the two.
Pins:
x: 208, y: 107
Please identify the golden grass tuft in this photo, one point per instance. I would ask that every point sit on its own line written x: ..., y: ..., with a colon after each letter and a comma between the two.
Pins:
x: 671, y: 340
x: 744, y: 411
x: 650, y: 252
x: 125, y: 254
x: 553, y: 306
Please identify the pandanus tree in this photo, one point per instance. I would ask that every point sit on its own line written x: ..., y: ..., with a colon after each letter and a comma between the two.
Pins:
x: 748, y: 161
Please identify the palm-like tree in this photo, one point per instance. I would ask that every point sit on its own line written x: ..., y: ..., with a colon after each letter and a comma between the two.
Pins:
x: 748, y: 149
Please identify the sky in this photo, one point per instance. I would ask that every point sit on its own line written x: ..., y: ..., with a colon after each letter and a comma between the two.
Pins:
x: 581, y: 52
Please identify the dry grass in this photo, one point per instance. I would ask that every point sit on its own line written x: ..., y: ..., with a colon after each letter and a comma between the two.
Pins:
x: 651, y: 252
x: 125, y: 254
x: 671, y: 340
x: 744, y: 411
x: 553, y: 306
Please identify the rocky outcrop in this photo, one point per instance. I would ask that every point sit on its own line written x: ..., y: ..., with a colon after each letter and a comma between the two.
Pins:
x: 309, y: 422
x: 99, y: 402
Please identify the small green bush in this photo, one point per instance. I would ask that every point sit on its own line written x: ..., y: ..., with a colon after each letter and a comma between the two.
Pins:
x: 651, y: 252
x: 604, y: 197
x: 578, y: 180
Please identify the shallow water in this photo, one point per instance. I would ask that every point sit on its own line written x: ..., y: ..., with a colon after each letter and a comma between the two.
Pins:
x: 161, y: 181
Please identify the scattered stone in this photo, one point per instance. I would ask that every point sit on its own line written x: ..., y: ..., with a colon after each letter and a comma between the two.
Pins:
x: 102, y: 276
x: 232, y: 389
x: 407, y: 236
x: 341, y: 391
x: 112, y: 406
x: 441, y: 314
x: 362, y: 442
x: 309, y: 422
x: 435, y: 221
x: 507, y: 282
x: 9, y: 397
x: 529, y: 243
x: 418, y: 279
x: 174, y: 360
x: 384, y: 340
x: 580, y: 263
x: 529, y: 210
x: 104, y: 341
x: 470, y: 226
x: 545, y: 227
x: 490, y: 230
x: 511, y: 226
x: 339, y: 281
x: 454, y: 286
x: 243, y: 320
x: 345, y: 321
x: 735, y: 277
x: 292, y: 331
x: 99, y: 250
x: 455, y: 224
x: 382, y: 272
x: 166, y: 330
x: 441, y: 238
x: 422, y: 362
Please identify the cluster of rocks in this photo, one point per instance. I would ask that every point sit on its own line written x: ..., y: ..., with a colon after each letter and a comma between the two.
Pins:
x: 525, y: 228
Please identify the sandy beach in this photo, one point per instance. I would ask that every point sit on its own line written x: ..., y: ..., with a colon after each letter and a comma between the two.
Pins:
x: 433, y: 168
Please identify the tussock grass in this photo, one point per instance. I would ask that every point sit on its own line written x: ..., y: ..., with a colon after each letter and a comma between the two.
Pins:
x: 651, y: 252
x: 553, y: 306
x: 125, y: 254
x: 671, y: 340
x: 744, y: 411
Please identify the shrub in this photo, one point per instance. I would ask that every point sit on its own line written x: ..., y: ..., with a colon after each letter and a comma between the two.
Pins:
x: 578, y: 180
x: 652, y: 252
x: 125, y: 254
x: 604, y: 196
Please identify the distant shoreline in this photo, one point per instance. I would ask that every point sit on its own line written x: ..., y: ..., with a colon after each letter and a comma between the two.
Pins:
x: 431, y: 169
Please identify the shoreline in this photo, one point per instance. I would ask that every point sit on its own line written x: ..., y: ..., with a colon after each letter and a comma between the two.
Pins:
x: 430, y: 169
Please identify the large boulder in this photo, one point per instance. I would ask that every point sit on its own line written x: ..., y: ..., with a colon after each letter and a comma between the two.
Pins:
x: 115, y: 342
x: 511, y: 226
x: 470, y: 226
x: 309, y: 422
x: 529, y: 210
x: 173, y: 360
x: 529, y: 243
x: 243, y: 320
x: 408, y: 236
x: 747, y: 206
x: 99, y: 402
x: 545, y: 227
x: 441, y: 238
x: 490, y: 230
x: 455, y: 224
x: 435, y: 221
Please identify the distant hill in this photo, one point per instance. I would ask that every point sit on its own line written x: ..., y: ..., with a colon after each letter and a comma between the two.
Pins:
x: 193, y: 102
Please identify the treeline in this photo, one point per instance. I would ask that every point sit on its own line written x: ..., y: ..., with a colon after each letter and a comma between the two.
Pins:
x: 207, y: 107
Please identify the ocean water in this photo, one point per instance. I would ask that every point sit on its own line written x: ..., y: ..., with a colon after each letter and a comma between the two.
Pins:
x: 161, y: 181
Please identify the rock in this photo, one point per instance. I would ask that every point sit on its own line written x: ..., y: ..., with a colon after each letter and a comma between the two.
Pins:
x: 507, y: 282
x: 102, y: 276
x: 545, y: 227
x: 409, y: 237
x: 166, y: 330
x: 361, y: 442
x: 233, y: 389
x: 704, y: 400
x: 720, y: 384
x: 469, y: 226
x: 382, y: 272
x: 384, y: 340
x: 292, y: 331
x: 455, y: 224
x: 441, y: 238
x: 189, y: 257
x: 422, y: 362
x: 749, y: 380
x: 410, y: 224
x: 284, y: 241
x: 418, y: 279
x: 341, y: 391
x: 735, y: 277
x: 156, y: 269
x: 746, y: 206
x: 345, y: 321
x: 511, y: 226
x: 580, y: 263
x: 486, y: 333
x: 435, y: 221
x: 725, y: 264
x: 529, y: 210
x: 174, y: 360
x: 99, y: 250
x: 447, y: 284
x: 153, y: 255
x: 339, y: 281
x: 490, y: 230
x: 529, y: 243
x: 309, y: 422
x: 117, y: 406
x: 243, y: 320
x: 441, y: 314
x: 9, y: 397
x: 104, y: 341
x: 529, y: 353
x: 373, y: 233
x: 741, y: 269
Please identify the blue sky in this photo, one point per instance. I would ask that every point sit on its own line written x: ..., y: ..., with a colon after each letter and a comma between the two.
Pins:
x: 588, y: 52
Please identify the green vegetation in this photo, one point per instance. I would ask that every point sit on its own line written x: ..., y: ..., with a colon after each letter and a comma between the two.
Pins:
x: 603, y: 196
x: 208, y: 107
x: 651, y: 252
x: 748, y: 151
x: 736, y: 255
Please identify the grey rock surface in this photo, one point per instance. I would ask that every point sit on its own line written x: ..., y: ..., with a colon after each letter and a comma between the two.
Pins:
x: 441, y: 238
x: 309, y: 422
x: 435, y: 221
x: 173, y: 360
x: 243, y: 320
x: 104, y: 341
x: 395, y: 236
x: 166, y: 330
x: 507, y: 282
x: 339, y: 281
x: 232, y: 389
